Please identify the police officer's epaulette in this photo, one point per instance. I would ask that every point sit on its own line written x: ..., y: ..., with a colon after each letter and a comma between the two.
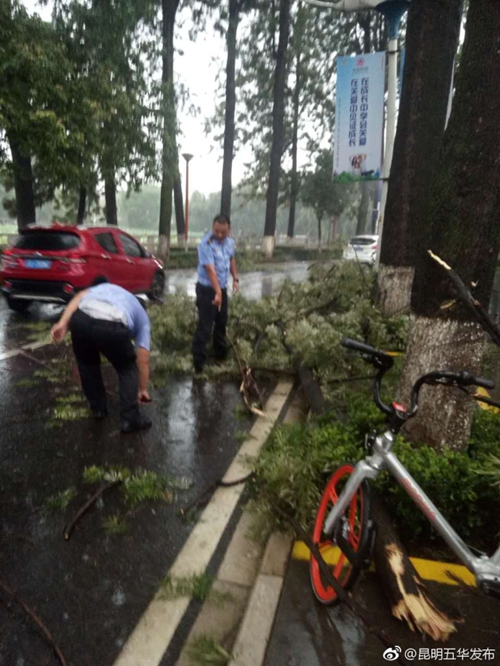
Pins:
x: 210, y: 240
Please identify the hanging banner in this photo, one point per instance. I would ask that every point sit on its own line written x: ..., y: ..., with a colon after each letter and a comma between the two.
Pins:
x: 359, y: 117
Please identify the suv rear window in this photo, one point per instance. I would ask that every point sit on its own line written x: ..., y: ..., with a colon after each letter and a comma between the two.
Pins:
x: 362, y: 241
x: 47, y: 240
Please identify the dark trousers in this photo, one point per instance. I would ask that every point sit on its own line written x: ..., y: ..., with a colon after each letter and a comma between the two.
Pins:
x: 209, y: 317
x: 90, y: 338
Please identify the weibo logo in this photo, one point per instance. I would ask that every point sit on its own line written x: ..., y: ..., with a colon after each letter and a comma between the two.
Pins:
x: 360, y: 62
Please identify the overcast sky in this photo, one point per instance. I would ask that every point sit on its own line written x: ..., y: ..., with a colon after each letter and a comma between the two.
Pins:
x: 197, y: 68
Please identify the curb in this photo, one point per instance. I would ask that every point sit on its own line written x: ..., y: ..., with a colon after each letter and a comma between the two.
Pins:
x: 252, y: 574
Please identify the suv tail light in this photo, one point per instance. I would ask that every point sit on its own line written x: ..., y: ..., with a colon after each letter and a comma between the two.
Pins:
x: 375, y: 246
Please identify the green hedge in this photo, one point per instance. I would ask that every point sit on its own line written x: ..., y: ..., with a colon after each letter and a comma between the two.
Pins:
x: 298, y: 459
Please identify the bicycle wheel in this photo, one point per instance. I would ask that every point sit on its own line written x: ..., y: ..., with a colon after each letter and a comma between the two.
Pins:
x: 351, y: 533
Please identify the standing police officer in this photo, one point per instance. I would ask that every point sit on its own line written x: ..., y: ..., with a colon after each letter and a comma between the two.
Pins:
x: 215, y: 260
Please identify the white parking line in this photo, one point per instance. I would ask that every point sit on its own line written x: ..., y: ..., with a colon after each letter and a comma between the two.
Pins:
x: 150, y: 639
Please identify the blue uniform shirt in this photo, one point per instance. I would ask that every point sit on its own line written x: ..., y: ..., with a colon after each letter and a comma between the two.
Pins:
x: 123, y: 300
x: 211, y: 251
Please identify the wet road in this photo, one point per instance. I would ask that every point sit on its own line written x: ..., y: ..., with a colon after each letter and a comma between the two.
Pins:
x: 253, y: 285
x: 91, y: 591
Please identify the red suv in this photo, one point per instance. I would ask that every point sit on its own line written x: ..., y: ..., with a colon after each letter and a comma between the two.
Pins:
x: 52, y: 263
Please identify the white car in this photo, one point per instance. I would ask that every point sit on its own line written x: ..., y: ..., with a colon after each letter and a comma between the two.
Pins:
x: 362, y: 249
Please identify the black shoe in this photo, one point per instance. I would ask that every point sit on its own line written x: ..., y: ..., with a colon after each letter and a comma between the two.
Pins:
x: 142, y: 423
x: 99, y: 414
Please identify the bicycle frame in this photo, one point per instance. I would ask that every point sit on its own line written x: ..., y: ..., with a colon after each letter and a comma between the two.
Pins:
x: 486, y: 570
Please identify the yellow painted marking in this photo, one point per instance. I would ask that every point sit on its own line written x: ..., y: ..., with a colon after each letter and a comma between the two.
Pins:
x: 426, y: 569
x: 486, y: 394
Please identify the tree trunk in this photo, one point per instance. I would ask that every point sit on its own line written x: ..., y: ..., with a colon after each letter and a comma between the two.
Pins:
x: 82, y: 204
x: 432, y: 37
x: 294, y: 181
x: 110, y: 198
x: 23, y: 185
x: 319, y: 231
x: 364, y: 206
x: 278, y: 122
x: 462, y: 229
x: 169, y: 166
x: 227, y: 164
x: 294, y: 185
x: 179, y: 206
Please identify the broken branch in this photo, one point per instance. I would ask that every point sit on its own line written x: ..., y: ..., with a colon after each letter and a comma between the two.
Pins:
x: 36, y: 620
x: 68, y: 529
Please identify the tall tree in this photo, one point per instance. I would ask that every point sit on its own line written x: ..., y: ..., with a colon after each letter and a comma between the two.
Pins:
x: 462, y: 228
x: 432, y: 37
x: 229, y: 129
x: 278, y: 128
x: 327, y: 199
x: 35, y: 115
x: 169, y: 150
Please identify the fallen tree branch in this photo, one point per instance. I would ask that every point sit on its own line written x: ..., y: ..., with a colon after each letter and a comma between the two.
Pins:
x: 48, y: 636
x: 473, y: 305
x: 68, y: 529
x: 249, y: 387
x: 404, y: 589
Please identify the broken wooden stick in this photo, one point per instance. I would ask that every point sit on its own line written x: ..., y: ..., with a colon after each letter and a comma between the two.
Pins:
x: 68, y: 529
x: 473, y: 305
x: 29, y: 611
x: 406, y: 592
x: 252, y: 397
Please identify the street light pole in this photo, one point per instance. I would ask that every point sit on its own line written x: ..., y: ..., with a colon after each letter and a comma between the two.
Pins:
x: 187, y: 157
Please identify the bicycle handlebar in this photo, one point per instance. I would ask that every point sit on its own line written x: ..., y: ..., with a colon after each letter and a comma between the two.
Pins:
x: 374, y: 356
x: 446, y: 378
x: 384, y: 362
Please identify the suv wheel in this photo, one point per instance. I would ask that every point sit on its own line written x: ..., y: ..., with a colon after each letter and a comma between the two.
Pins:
x: 18, y: 304
x: 157, y: 286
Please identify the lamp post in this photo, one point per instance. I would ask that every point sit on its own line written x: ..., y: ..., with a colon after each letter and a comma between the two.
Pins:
x: 187, y: 157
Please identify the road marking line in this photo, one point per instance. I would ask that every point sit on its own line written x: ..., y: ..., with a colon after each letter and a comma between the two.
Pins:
x: 152, y: 635
x: 29, y: 347
x: 426, y: 569
x: 9, y: 354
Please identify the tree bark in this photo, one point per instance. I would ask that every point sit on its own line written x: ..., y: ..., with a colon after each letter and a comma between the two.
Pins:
x: 364, y: 207
x: 179, y: 205
x: 23, y: 184
x: 229, y: 129
x: 110, y: 198
x: 169, y: 9
x: 462, y: 229
x: 294, y: 181
x: 82, y: 204
x: 278, y: 120
x: 432, y: 37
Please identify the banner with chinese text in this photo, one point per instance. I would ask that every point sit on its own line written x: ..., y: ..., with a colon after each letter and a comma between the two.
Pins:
x: 359, y: 117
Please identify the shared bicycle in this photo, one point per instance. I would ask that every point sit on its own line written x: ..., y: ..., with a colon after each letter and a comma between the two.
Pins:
x: 343, y: 525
